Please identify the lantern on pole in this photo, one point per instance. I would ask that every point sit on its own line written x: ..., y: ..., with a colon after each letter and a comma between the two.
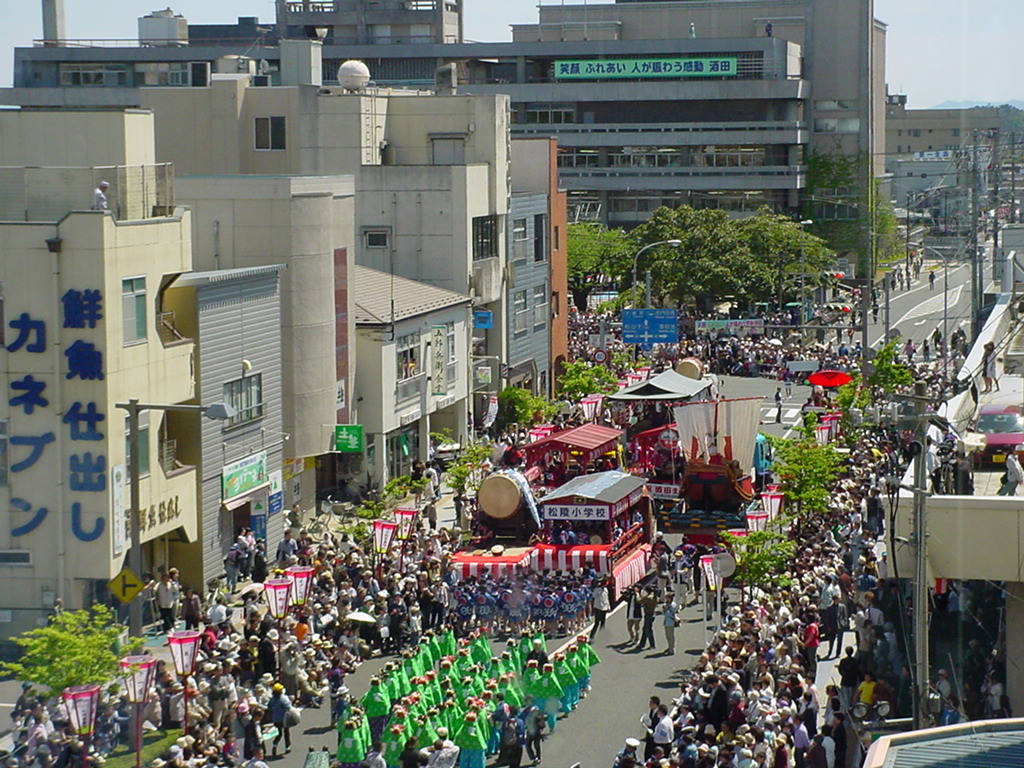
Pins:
x: 383, y: 536
x: 302, y: 582
x: 771, y: 503
x: 184, y: 648
x: 82, y: 703
x: 823, y: 433
x: 406, y: 519
x: 757, y: 520
x: 278, y: 593
x: 137, y: 675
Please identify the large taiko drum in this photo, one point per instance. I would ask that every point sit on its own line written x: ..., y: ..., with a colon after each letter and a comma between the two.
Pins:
x: 499, y: 496
x: 690, y: 367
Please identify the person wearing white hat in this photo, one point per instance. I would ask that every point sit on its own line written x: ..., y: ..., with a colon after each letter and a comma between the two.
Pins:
x: 99, y: 196
x: 629, y: 750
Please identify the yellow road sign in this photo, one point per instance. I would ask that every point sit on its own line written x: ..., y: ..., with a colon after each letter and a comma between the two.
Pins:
x: 125, y: 585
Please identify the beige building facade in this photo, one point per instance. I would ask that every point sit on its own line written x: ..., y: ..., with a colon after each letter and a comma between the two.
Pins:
x: 84, y: 330
x: 908, y: 131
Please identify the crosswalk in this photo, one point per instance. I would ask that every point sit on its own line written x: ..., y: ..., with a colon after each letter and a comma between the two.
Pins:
x: 789, y: 414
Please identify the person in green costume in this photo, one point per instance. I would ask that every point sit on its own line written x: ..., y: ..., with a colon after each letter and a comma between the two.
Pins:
x: 394, y: 743
x: 568, y: 681
x: 590, y: 657
x: 508, y: 685
x: 376, y: 703
x: 549, y: 690
x: 350, y: 746
x: 472, y: 743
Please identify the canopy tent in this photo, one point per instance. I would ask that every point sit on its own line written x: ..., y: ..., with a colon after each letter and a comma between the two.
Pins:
x: 556, y: 558
x: 587, y: 443
x: 667, y: 385
x: 473, y: 563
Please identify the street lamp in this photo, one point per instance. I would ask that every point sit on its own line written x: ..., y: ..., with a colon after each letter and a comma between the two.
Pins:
x: 137, y: 674
x: 216, y: 411
x: 184, y: 649
x: 82, y: 703
x: 771, y: 502
x: 636, y: 258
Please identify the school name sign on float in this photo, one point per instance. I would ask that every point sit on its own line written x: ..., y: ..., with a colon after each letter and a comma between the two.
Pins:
x: 649, y: 68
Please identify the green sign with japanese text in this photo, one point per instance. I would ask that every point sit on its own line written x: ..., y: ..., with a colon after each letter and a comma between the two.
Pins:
x: 243, y: 475
x: 348, y: 438
x: 648, y: 68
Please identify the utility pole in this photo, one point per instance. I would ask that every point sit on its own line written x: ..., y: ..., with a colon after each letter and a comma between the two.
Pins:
x: 921, y: 596
x: 1013, y: 178
x: 997, y: 169
x: 976, y: 284
x: 907, y: 228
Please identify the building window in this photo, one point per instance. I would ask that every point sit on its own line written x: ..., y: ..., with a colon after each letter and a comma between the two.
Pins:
x: 485, y: 237
x: 133, y: 309
x: 408, y: 356
x: 165, y: 73
x: 448, y: 151
x: 94, y: 74
x: 143, y: 444
x: 540, y: 304
x: 841, y: 125
x: 519, y: 229
x: 554, y: 304
x: 450, y: 341
x: 245, y: 395
x: 835, y: 104
x: 270, y: 133
x: 915, y: 132
x: 956, y: 132
x: 555, y: 239
x: 519, y: 310
x: 376, y: 238
x: 540, y: 237
x: 550, y: 114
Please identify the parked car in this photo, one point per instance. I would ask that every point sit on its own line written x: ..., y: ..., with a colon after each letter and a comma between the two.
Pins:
x: 1003, y: 428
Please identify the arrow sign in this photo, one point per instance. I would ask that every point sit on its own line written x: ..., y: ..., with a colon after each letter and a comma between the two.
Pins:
x: 126, y: 585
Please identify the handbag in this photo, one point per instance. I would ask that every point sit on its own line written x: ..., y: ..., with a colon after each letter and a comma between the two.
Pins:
x: 292, y: 717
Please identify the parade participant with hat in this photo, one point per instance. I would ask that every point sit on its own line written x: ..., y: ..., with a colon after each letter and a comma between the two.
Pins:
x: 377, y: 705
x: 549, y: 691
x: 472, y: 742
x: 350, y: 747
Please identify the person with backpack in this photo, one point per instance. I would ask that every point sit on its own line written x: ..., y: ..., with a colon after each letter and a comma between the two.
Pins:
x: 513, y: 739
x: 232, y: 565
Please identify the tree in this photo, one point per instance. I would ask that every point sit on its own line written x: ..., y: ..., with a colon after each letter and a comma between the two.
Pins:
x: 807, y: 472
x: 464, y: 473
x: 762, y: 558
x: 707, y: 265
x: 520, y: 406
x: 595, y: 254
x: 783, y: 257
x: 580, y: 378
x: 76, y: 648
x: 888, y: 374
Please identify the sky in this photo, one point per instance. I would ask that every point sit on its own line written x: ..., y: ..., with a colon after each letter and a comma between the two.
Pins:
x: 937, y: 50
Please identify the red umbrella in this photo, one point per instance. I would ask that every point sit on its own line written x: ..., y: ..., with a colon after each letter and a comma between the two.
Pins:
x: 829, y: 378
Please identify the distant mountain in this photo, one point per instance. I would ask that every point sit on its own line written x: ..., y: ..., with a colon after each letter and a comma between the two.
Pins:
x: 1017, y: 103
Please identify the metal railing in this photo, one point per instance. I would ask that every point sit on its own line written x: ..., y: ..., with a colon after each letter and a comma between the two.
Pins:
x: 168, y: 455
x: 409, y: 388
x: 168, y: 332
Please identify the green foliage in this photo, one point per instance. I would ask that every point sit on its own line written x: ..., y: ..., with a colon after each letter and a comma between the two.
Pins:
x: 76, y: 648
x: 594, y: 252
x: 850, y: 396
x: 762, y: 558
x: 154, y: 744
x: 623, y: 361
x: 580, y: 378
x: 464, y: 474
x: 807, y: 472
x: 395, y: 489
x: 520, y: 406
x: 889, y: 375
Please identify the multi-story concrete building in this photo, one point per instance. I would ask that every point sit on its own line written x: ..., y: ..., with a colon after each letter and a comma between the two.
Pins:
x: 85, y: 328
x: 909, y: 131
x: 709, y: 102
x: 412, y: 340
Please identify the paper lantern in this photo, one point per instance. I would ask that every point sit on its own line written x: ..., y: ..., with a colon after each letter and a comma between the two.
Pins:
x: 383, y: 535
x: 137, y: 673
x: 771, y: 501
x: 278, y: 592
x: 302, y: 582
x: 406, y: 519
x: 81, y: 703
x: 184, y: 647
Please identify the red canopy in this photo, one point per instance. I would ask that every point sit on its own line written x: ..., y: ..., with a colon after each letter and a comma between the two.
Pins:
x: 590, y: 440
x: 829, y: 378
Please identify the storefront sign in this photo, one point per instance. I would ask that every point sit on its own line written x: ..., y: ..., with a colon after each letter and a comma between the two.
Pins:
x: 645, y: 69
x: 243, y: 475
x: 754, y: 325
x: 439, y: 360
x: 119, y: 531
x: 348, y: 438
x: 275, y: 502
x: 574, y: 512
x: 483, y: 318
x: 664, y: 490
